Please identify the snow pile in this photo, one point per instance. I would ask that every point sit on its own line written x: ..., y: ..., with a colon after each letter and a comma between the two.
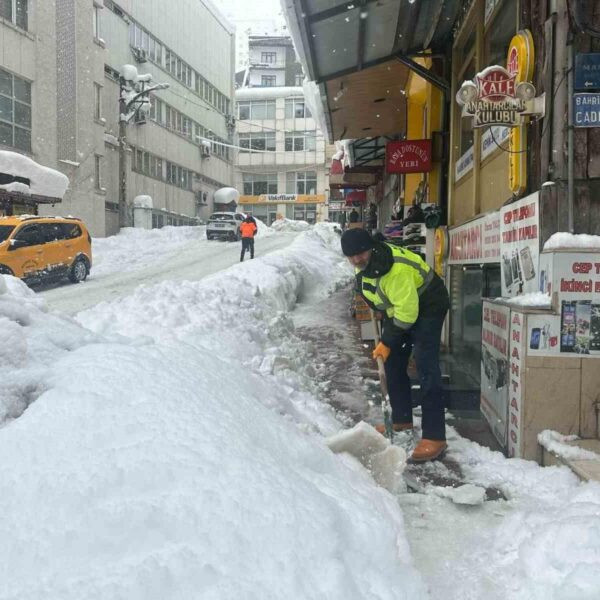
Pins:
x: 183, y: 463
x: 564, y: 240
x: 532, y: 300
x: 546, y: 543
x: 263, y: 230
x: 142, y: 201
x: 289, y: 225
x: 225, y: 195
x: 557, y: 444
x: 133, y: 247
x: 43, y: 180
x: 31, y: 341
x: 16, y: 187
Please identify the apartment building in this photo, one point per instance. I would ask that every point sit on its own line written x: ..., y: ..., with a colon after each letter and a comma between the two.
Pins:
x: 60, y: 64
x: 282, y: 160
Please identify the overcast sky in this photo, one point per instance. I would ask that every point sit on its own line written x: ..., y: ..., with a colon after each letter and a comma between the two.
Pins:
x: 242, y: 11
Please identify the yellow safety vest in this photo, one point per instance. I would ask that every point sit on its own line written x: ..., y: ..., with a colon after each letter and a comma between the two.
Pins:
x: 397, y: 292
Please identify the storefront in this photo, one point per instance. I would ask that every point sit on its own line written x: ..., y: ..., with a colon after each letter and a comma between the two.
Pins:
x: 300, y: 207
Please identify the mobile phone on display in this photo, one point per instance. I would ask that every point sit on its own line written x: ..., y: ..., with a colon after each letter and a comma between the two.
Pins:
x: 534, y: 343
x: 567, y: 326
x: 506, y: 268
x: 527, y: 263
x: 582, y: 333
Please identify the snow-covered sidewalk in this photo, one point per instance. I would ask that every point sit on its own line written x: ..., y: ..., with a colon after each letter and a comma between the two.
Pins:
x: 170, y: 445
x: 173, y: 448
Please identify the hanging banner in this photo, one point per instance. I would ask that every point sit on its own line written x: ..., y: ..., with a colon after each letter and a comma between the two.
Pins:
x: 494, y: 367
x: 520, y: 246
x: 408, y: 156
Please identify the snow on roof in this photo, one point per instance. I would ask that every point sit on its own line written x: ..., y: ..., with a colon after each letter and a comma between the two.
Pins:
x: 267, y: 93
x: 142, y: 201
x: 581, y: 241
x: 43, y: 180
x: 226, y: 195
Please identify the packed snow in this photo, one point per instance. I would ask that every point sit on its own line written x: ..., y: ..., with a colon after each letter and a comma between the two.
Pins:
x: 557, y: 443
x: 143, y: 469
x: 531, y: 300
x: 580, y: 241
x: 289, y: 225
x: 172, y: 443
x: 43, y: 180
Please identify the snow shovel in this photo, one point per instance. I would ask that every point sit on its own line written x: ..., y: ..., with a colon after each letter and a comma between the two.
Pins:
x: 385, y: 401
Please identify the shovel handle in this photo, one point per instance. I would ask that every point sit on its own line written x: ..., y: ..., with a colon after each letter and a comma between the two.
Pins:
x: 380, y: 367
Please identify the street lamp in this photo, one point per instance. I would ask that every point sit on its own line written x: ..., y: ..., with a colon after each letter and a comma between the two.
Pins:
x: 133, y: 100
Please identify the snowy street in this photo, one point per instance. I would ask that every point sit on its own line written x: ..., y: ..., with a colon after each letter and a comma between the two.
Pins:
x: 123, y: 265
x: 163, y: 436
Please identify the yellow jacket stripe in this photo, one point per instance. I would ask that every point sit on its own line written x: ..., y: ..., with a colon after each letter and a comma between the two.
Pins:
x: 397, y: 291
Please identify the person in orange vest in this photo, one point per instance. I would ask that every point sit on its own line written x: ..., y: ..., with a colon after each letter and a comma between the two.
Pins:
x: 248, y: 230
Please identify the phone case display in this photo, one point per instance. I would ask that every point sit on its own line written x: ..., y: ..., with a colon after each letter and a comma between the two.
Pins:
x: 527, y: 263
x: 567, y: 326
x: 595, y: 328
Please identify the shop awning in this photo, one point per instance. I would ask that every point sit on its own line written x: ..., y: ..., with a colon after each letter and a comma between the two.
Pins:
x: 359, y: 54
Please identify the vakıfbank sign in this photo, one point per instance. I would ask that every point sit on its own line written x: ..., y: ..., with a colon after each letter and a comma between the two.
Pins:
x: 283, y: 199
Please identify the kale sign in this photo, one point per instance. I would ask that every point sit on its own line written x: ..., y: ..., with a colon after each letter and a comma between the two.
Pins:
x: 494, y: 97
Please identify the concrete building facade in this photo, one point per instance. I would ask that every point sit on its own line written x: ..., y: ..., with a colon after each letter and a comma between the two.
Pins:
x: 282, y: 160
x: 59, y: 102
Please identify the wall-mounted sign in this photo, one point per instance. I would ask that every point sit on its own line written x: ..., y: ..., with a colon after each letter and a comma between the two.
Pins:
x: 586, y: 110
x: 587, y: 71
x: 408, y: 156
x: 519, y: 62
x: 476, y: 242
x: 283, y: 199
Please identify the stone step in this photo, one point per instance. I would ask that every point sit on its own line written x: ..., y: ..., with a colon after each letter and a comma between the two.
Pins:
x: 586, y: 470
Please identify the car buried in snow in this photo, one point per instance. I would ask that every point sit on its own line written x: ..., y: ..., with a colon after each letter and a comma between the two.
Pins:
x: 224, y: 225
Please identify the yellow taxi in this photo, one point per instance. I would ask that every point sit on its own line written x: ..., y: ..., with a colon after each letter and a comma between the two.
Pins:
x: 36, y: 249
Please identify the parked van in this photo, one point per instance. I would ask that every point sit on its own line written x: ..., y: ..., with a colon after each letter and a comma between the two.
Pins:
x: 37, y: 249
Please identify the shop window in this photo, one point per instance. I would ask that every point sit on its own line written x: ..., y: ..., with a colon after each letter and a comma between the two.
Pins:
x: 499, y: 32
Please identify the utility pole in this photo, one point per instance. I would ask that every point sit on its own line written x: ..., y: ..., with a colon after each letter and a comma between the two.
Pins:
x: 133, y: 99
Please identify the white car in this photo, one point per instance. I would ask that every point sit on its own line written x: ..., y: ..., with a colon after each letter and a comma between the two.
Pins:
x: 224, y: 225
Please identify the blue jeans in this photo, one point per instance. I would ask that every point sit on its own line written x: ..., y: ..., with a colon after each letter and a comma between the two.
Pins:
x: 424, y: 338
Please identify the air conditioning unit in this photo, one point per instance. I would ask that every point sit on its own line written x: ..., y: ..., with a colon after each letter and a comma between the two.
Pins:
x: 140, y: 55
x: 205, y: 149
x: 139, y: 117
x: 230, y: 121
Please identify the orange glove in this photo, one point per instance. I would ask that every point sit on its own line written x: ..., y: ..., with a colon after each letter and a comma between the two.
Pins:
x: 381, y: 350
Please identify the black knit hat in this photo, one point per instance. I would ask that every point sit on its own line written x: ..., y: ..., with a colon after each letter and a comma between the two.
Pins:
x: 355, y: 241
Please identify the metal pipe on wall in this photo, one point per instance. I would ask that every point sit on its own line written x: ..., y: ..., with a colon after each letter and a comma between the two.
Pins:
x: 570, y: 142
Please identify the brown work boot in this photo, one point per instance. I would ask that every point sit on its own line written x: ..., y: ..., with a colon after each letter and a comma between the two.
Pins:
x: 428, y: 450
x: 396, y: 427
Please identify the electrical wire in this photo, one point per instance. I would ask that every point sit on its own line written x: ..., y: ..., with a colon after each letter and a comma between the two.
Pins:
x: 546, y: 124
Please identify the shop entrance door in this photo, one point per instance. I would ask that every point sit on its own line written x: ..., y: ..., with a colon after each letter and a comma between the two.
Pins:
x: 272, y: 217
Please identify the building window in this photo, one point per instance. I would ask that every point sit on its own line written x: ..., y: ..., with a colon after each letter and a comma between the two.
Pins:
x: 14, y: 11
x: 97, y: 101
x: 268, y: 81
x: 259, y: 183
x: 263, y: 140
x: 298, y: 141
x: 499, y: 33
x: 295, y: 108
x: 299, y: 79
x: 301, y: 182
x: 15, y: 112
x: 96, y: 22
x: 268, y: 57
x: 98, y: 172
x: 466, y: 73
x: 256, y: 110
